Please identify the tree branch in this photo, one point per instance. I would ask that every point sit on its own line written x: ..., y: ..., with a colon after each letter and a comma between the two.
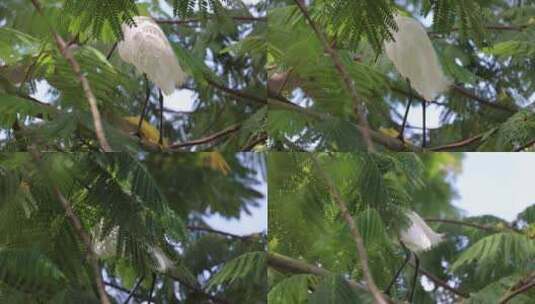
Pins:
x: 499, y: 27
x: 357, y: 237
x: 65, y: 51
x: 458, y: 144
x: 288, y: 264
x: 481, y: 100
x: 236, y: 93
x: 348, y: 81
x: 469, y: 224
x: 523, y: 288
x: 223, y: 233
x: 210, y: 138
x: 193, y: 20
x: 440, y: 282
x: 261, y: 138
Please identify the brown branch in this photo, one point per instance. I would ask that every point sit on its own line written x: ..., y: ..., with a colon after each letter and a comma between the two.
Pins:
x: 236, y: 93
x: 193, y: 20
x: 520, y: 290
x: 526, y: 146
x: 223, y: 233
x: 455, y: 222
x: 458, y: 144
x: 208, y: 139
x: 288, y: 264
x: 463, y: 92
x: 86, y: 239
x: 65, y: 51
x: 348, y: 81
x: 440, y: 282
x: 481, y: 100
x: 515, y: 28
x: 357, y: 237
x: 262, y: 138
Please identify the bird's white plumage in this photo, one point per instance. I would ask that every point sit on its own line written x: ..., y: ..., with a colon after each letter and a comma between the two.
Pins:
x: 418, y: 236
x: 414, y: 57
x: 163, y: 263
x: 147, y: 48
x: 104, y: 246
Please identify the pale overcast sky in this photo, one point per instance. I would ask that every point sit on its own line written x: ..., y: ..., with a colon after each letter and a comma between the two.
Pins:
x: 501, y: 184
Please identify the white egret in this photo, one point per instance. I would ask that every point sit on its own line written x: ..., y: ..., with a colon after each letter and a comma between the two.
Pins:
x: 415, y: 59
x: 147, y: 48
x: 418, y: 237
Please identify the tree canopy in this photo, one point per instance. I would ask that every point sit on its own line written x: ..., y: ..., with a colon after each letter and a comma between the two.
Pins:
x: 331, y: 85
x: 60, y: 76
x: 312, y: 256
x: 80, y: 228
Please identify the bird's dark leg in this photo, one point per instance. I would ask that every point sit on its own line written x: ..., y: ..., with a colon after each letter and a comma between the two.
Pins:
x: 144, y: 109
x: 110, y: 53
x: 400, y: 136
x: 152, y: 287
x: 424, y: 139
x: 160, y: 141
x: 415, y: 278
x: 394, y: 279
x: 407, y: 258
x: 133, y: 290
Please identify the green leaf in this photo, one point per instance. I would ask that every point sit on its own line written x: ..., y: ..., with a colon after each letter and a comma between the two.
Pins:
x: 334, y: 289
x: 251, y: 265
x: 294, y: 289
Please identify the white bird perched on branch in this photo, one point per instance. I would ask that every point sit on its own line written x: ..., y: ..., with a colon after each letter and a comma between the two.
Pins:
x: 418, y: 237
x: 147, y: 48
x: 415, y: 59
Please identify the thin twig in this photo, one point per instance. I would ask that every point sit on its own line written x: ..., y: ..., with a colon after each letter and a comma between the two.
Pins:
x: 65, y: 51
x: 236, y: 93
x: 357, y: 237
x: 530, y: 284
x: 348, y: 81
x: 223, y: 233
x: 194, y: 20
x: 289, y: 264
x: 515, y: 28
x: 530, y: 144
x: 466, y: 93
x: 199, y: 290
x: 207, y: 139
x: 262, y: 138
x: 457, y: 144
x: 469, y: 224
x: 441, y: 283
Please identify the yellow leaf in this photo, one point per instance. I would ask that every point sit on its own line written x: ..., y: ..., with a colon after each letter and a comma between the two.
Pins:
x: 216, y: 161
x: 148, y: 132
x: 391, y: 132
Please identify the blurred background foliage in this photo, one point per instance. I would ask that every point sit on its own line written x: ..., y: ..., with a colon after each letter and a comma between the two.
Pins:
x: 131, y: 205
x: 483, y: 258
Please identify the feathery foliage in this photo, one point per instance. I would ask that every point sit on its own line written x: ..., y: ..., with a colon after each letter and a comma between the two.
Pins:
x: 138, y: 222
x: 485, y: 49
x: 220, y: 45
x: 483, y: 259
